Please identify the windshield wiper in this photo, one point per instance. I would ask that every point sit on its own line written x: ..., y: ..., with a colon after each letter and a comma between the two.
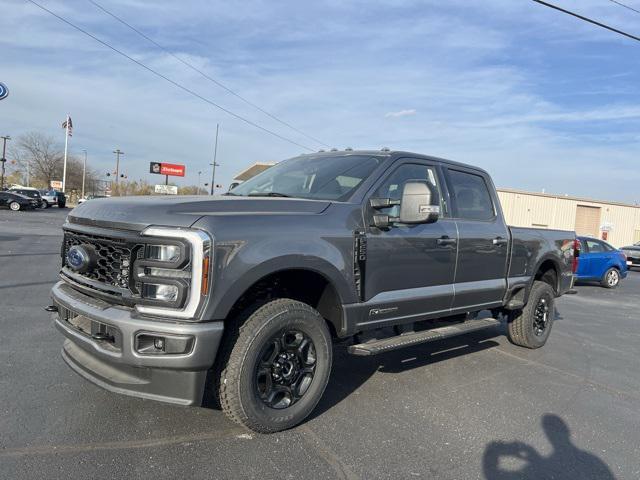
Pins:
x: 268, y: 194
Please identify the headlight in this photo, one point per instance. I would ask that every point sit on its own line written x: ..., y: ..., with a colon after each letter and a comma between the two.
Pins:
x: 174, y: 269
x: 163, y: 253
x: 156, y: 291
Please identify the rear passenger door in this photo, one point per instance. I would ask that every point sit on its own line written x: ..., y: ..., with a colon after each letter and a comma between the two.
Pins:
x: 483, y: 240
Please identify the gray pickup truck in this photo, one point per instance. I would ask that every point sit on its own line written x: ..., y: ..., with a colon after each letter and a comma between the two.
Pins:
x: 243, y: 295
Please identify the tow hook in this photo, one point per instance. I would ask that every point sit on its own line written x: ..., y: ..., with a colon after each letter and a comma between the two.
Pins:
x: 102, y: 336
x: 50, y: 308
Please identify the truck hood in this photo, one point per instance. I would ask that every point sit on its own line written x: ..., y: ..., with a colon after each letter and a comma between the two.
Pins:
x: 137, y: 213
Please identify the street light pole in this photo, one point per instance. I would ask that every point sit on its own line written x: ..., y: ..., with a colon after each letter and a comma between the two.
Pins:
x: 3, y: 160
x: 118, y: 152
x: 84, y: 171
x: 214, y: 164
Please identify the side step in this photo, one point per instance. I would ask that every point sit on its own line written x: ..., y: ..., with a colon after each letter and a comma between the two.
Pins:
x: 399, y: 341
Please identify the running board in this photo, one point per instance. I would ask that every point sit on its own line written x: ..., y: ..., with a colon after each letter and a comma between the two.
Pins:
x: 399, y: 341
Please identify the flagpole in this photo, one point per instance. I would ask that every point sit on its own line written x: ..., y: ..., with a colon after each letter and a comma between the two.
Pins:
x: 66, y: 149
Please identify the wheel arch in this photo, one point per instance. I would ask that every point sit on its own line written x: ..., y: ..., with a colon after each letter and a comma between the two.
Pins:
x: 316, y: 283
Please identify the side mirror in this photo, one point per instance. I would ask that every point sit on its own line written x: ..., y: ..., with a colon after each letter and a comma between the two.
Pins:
x: 417, y: 205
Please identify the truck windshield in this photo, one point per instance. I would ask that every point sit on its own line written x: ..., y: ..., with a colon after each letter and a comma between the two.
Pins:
x: 318, y: 177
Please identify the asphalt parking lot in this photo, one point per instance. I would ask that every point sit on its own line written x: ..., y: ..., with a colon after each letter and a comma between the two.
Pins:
x: 472, y: 407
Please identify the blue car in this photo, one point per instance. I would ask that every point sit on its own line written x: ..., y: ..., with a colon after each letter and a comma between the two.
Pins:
x: 600, y: 262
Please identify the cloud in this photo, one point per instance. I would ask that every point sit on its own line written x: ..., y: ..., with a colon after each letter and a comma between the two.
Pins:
x: 401, y: 113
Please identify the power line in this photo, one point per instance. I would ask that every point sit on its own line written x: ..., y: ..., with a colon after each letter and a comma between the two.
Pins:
x: 625, y: 6
x: 173, y: 82
x: 203, y: 74
x: 589, y: 20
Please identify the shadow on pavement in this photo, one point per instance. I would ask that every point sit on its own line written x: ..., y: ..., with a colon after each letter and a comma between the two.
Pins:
x: 350, y: 372
x: 520, y: 461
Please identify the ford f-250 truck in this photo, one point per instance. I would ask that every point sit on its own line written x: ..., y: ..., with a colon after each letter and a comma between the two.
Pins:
x: 252, y: 288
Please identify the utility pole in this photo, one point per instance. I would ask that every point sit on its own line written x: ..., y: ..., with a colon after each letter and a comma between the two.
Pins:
x: 214, y: 164
x: 198, y: 189
x: 3, y: 160
x: 118, y: 152
x: 84, y: 171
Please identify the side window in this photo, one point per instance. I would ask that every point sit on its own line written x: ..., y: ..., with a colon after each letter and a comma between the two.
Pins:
x: 471, y: 196
x: 595, y: 247
x: 392, y: 186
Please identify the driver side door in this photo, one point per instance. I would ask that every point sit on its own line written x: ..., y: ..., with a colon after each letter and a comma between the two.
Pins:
x: 409, y: 268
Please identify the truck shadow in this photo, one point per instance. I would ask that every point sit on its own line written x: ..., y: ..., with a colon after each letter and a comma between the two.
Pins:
x: 350, y: 372
x: 520, y: 461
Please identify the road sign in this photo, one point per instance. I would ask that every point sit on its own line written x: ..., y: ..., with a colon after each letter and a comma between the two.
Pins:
x: 166, y: 189
x: 172, y: 169
x: 56, y: 184
x: 4, y: 91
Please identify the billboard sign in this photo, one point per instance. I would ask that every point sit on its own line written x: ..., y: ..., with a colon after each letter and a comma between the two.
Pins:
x: 166, y: 189
x: 172, y: 169
x: 56, y: 184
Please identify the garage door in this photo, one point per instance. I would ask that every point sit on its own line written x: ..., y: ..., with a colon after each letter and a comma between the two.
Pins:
x: 588, y: 220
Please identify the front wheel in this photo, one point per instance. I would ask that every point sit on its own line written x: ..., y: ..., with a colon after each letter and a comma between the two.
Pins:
x: 531, y: 326
x: 274, y: 366
x: 44, y: 204
x: 15, y: 206
x: 611, y: 278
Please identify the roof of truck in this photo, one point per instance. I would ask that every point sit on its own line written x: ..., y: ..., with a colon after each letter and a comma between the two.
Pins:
x: 393, y: 154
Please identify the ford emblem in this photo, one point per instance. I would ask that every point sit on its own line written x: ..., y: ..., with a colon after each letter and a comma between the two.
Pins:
x: 4, y: 91
x: 79, y: 258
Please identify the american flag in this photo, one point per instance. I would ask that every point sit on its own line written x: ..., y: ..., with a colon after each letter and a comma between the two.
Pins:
x: 70, y: 125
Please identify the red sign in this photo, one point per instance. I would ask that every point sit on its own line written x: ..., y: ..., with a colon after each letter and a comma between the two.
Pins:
x: 172, y: 169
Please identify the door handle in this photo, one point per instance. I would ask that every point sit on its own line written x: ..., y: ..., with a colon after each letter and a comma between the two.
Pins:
x: 500, y: 241
x: 445, y: 240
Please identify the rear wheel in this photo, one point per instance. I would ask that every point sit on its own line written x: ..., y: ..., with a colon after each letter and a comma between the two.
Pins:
x: 274, y: 366
x: 531, y: 326
x: 611, y: 278
x: 15, y: 206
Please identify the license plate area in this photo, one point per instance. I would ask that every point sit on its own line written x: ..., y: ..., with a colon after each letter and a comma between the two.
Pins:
x: 107, y: 336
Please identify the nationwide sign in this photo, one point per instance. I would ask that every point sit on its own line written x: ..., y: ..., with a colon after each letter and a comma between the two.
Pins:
x: 172, y: 169
x: 4, y: 91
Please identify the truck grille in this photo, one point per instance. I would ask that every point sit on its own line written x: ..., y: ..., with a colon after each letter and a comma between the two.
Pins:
x: 114, y: 258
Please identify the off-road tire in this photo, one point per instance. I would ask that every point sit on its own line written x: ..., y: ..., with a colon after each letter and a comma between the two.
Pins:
x: 615, y: 281
x: 245, y: 338
x: 521, y: 322
x: 15, y: 206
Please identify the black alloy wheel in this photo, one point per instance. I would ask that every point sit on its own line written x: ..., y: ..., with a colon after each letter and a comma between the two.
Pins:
x: 286, y: 369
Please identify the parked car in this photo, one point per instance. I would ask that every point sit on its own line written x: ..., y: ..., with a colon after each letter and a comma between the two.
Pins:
x: 55, y: 198
x: 600, y: 262
x: 252, y: 288
x: 16, y: 201
x: 89, y: 197
x: 31, y: 193
x: 633, y: 255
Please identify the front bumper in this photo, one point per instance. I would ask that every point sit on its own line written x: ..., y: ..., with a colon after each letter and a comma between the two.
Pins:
x: 174, y: 378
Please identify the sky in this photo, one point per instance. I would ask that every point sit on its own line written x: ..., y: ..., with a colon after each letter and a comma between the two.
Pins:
x: 541, y: 100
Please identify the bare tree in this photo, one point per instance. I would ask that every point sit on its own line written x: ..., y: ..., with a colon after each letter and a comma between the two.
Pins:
x: 41, y: 155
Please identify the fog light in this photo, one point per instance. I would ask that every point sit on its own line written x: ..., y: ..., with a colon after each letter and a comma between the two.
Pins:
x: 165, y: 293
x: 158, y: 343
x: 163, y: 343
